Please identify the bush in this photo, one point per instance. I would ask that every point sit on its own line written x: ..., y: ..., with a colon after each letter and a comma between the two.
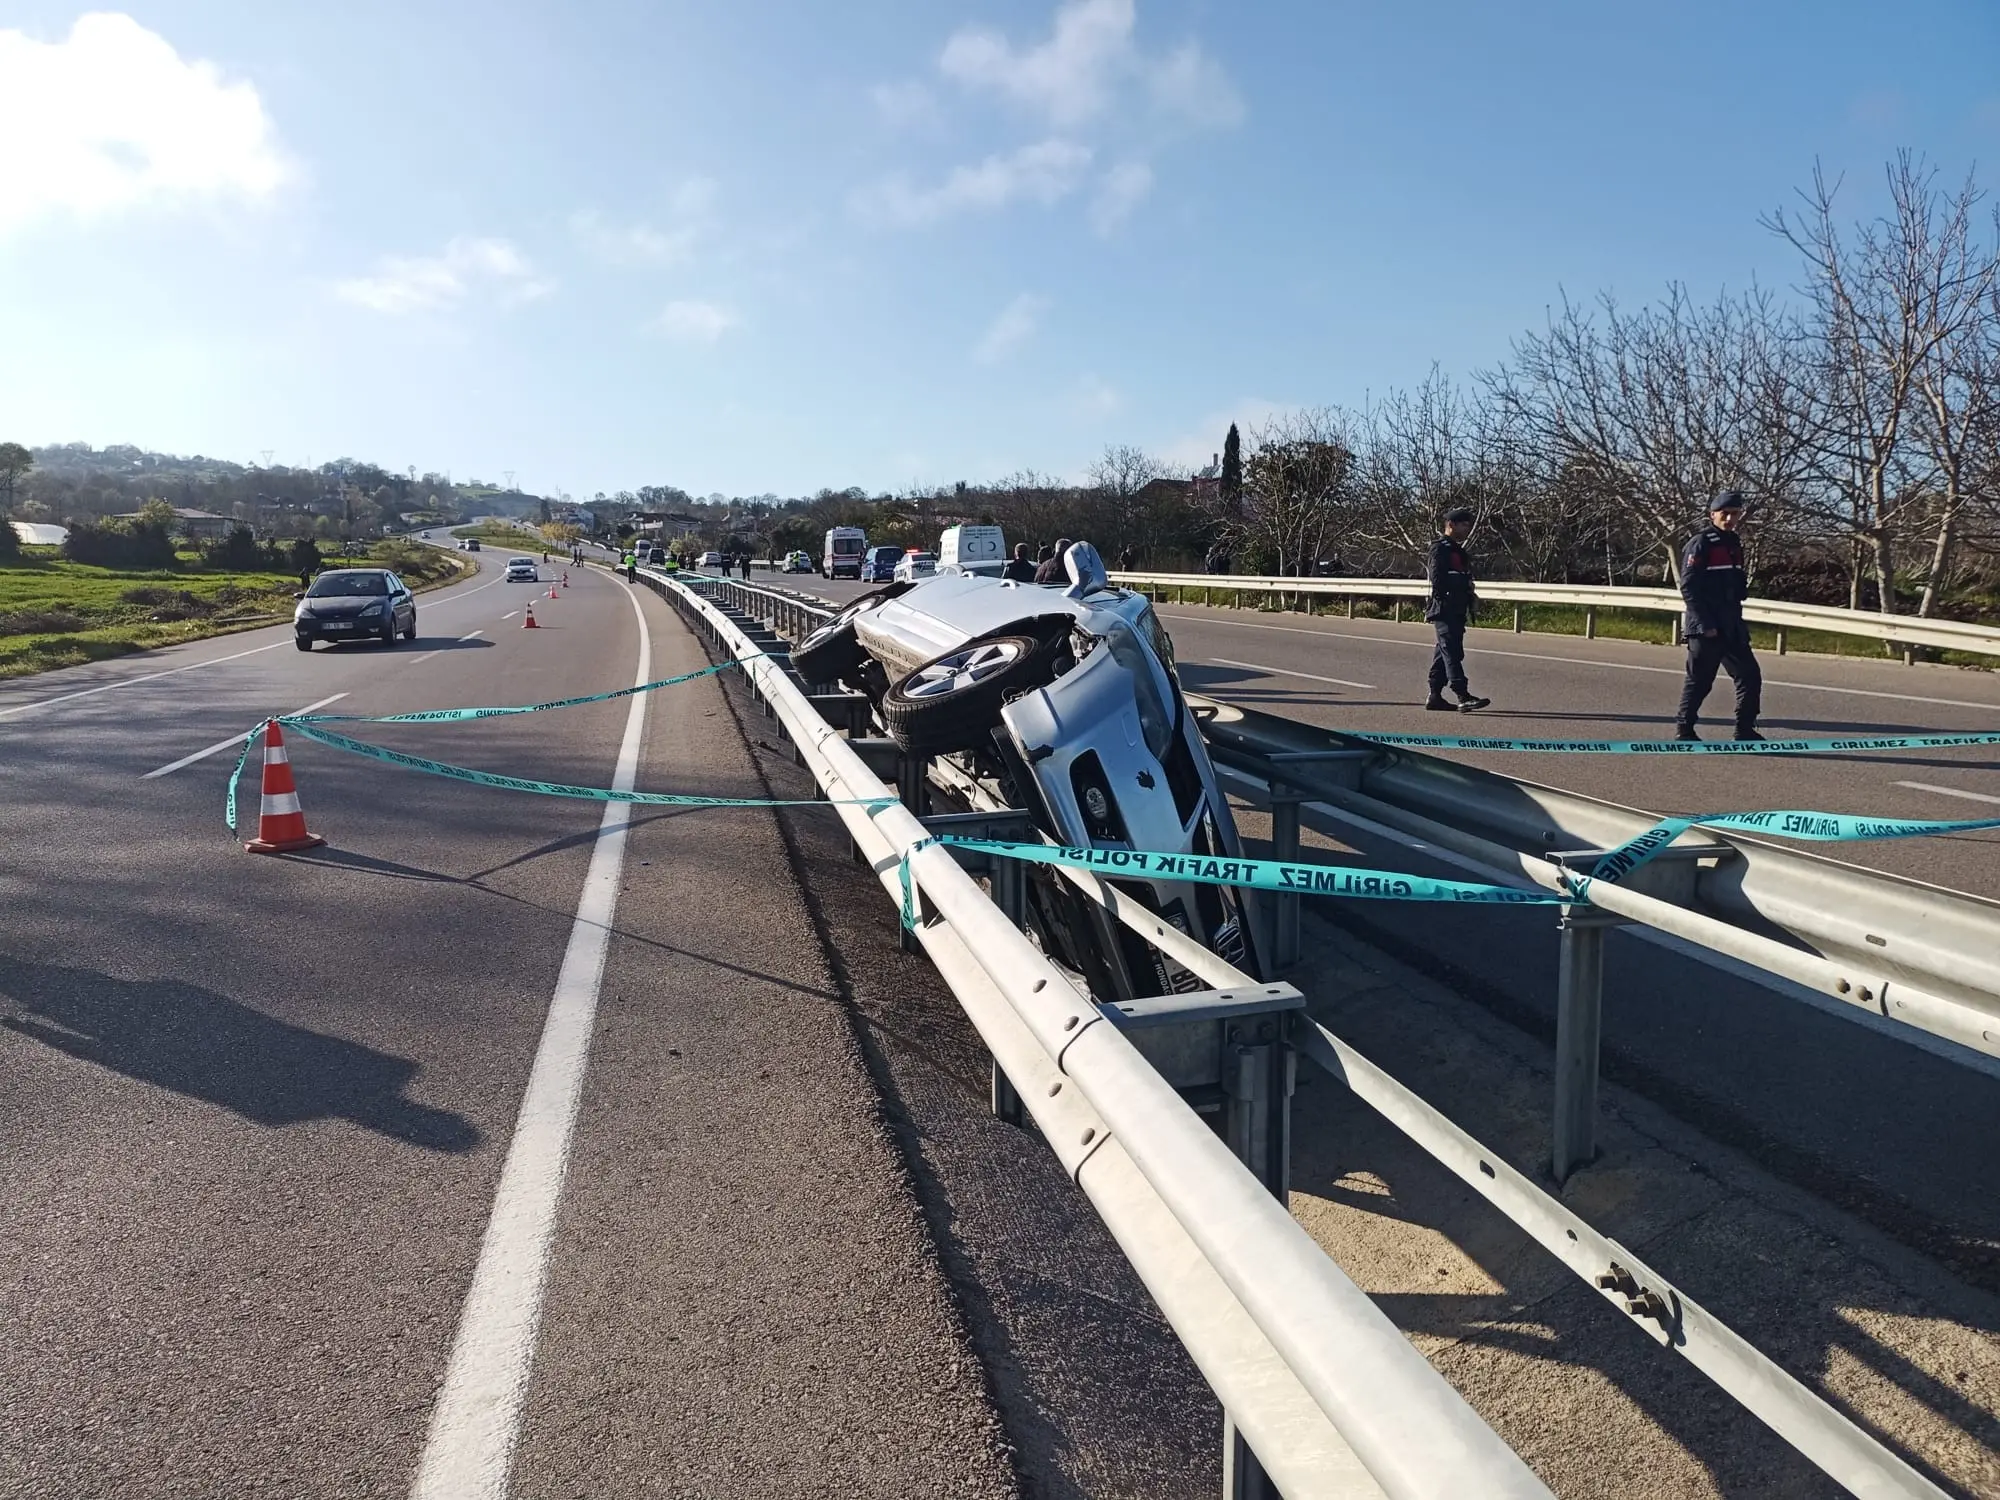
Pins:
x: 42, y: 622
x: 305, y: 555
x: 236, y: 553
x: 120, y: 544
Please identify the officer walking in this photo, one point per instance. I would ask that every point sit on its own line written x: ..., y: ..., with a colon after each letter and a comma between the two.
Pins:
x: 1714, y: 584
x: 1449, y: 608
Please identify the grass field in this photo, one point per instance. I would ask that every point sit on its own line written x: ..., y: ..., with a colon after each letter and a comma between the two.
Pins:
x: 55, y: 613
x: 505, y: 536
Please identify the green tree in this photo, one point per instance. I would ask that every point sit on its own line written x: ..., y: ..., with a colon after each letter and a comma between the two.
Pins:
x: 15, y: 461
x: 1232, y: 473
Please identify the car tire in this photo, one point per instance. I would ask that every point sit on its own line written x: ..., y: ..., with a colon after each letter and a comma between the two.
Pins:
x: 411, y: 633
x: 831, y: 653
x: 953, y: 701
x: 303, y: 642
x: 389, y: 633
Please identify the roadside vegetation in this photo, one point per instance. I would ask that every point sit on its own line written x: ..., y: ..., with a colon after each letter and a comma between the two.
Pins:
x: 56, y: 611
x: 500, y: 534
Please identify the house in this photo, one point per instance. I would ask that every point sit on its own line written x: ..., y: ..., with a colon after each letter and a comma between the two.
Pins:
x: 193, y: 523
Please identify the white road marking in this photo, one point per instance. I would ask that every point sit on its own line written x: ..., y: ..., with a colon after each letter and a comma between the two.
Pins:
x: 1948, y: 791
x: 1287, y: 672
x: 477, y: 1418
x: 231, y: 743
x: 1575, y: 661
x: 429, y: 654
x: 21, y: 708
x: 510, y: 614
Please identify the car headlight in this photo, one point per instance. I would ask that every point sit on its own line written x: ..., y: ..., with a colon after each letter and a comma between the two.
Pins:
x: 373, y: 609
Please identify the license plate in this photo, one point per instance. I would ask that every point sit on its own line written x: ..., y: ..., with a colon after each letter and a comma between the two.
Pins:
x: 336, y: 627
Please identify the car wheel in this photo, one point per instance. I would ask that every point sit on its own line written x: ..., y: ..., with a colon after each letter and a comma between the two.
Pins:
x: 831, y: 652
x: 389, y: 632
x: 953, y: 701
x: 411, y: 633
x: 303, y: 642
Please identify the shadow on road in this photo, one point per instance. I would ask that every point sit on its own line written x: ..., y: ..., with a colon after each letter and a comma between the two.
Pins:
x: 209, y: 1047
x: 421, y: 643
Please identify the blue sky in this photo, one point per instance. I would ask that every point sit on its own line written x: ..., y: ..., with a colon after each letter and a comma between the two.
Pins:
x: 774, y: 244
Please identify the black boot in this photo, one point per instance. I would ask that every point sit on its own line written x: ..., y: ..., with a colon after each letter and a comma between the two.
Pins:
x: 1472, y: 702
x: 1686, y: 732
x: 1437, y: 703
x: 1748, y: 736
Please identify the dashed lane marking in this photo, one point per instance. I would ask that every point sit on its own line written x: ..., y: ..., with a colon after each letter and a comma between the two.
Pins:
x: 1288, y: 672
x: 1948, y: 791
x: 475, y: 635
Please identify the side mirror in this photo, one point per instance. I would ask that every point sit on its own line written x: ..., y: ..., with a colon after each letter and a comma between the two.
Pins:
x: 298, y: 593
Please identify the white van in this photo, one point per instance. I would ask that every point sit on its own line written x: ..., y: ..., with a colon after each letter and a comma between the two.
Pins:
x: 979, y: 550
x: 844, y: 548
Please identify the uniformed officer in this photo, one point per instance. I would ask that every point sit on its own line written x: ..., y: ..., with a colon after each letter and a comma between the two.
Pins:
x: 1448, y: 608
x: 1714, y: 584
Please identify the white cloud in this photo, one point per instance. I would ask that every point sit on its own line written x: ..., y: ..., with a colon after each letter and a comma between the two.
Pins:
x: 694, y: 322
x: 1069, y: 77
x: 112, y: 119
x: 1014, y: 326
x: 690, y: 210
x: 632, y: 244
x: 1122, y: 189
x: 904, y: 104
x: 467, y: 268
x: 1096, y: 398
x: 1190, y: 86
x: 1042, y: 173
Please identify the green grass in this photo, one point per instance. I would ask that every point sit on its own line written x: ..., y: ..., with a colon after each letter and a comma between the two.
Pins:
x: 55, y: 613
x: 1568, y: 619
x: 504, y: 536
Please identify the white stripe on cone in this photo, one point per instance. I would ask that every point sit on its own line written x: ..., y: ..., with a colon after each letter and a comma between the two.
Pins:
x: 277, y: 804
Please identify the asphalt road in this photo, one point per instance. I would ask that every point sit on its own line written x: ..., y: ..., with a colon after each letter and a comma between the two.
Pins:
x: 254, y: 1113
x: 1366, y: 675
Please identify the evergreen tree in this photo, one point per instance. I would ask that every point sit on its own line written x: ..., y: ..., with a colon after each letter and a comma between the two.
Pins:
x: 1232, y: 472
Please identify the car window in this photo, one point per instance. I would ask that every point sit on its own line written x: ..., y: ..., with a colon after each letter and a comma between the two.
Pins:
x: 348, y: 585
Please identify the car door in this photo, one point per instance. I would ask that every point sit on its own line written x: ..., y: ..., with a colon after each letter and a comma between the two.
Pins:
x: 402, y: 604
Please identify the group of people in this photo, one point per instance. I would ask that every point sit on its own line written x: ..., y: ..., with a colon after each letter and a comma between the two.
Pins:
x: 1714, y: 584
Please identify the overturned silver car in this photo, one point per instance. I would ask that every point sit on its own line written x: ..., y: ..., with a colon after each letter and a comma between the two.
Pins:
x: 1064, y: 702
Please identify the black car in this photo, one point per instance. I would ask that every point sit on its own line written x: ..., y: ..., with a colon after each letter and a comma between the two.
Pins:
x: 351, y: 604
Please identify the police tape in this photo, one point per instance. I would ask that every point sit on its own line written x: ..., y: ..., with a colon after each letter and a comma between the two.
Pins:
x: 1358, y: 883
x: 461, y: 715
x: 521, y: 783
x: 1679, y: 747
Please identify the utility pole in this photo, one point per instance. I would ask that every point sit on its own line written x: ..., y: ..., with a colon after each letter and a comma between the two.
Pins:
x: 267, y: 452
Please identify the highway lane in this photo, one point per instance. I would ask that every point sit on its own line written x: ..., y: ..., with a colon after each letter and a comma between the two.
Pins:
x: 253, y: 1112
x: 1364, y: 675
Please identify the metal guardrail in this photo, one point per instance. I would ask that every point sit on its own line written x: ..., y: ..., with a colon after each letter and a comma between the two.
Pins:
x: 1262, y: 1389
x: 1896, y: 630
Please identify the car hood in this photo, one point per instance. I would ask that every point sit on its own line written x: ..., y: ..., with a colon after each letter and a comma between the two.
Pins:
x: 340, y: 608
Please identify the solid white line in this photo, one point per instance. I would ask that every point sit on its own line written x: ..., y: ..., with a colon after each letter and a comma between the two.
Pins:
x: 21, y: 708
x: 478, y: 1413
x: 1287, y: 672
x: 1948, y: 791
x: 232, y: 742
x: 475, y: 635
x: 1576, y: 661
x: 510, y: 614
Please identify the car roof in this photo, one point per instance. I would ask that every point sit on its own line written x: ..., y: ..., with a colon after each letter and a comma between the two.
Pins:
x: 333, y: 572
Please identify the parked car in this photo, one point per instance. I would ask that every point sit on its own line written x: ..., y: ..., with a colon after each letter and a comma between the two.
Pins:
x: 472, y: 544
x: 353, y: 604
x: 711, y: 559
x: 798, y: 562
x: 1064, y: 704
x: 522, y: 570
x: 878, y: 564
x: 915, y: 566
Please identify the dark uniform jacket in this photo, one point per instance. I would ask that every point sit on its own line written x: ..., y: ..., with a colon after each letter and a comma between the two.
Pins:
x: 1451, y: 597
x: 1020, y: 569
x: 1713, y: 581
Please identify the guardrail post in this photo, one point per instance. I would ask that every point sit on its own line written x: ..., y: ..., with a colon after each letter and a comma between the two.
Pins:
x: 1517, y: 619
x: 1285, y: 800
x: 1590, y: 623
x: 1350, y: 606
x: 1396, y: 612
x: 1781, y: 640
x: 1258, y: 1074
x: 1579, y: 1029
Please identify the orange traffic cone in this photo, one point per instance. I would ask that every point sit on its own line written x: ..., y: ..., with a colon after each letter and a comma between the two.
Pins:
x: 281, y: 825
x: 565, y: 580
x: 529, y: 623
x: 552, y: 591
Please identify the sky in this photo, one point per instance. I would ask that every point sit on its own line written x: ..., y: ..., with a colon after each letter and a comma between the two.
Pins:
x: 776, y: 245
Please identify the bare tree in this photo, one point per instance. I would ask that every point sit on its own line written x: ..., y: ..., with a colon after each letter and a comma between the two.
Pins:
x: 1297, y: 490
x: 1893, y: 309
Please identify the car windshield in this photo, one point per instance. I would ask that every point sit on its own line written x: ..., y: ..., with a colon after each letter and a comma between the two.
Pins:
x: 348, y: 585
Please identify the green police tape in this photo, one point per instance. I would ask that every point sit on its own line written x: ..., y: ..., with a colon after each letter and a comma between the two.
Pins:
x: 523, y: 784
x: 1680, y: 747
x: 460, y: 715
x: 1386, y: 885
